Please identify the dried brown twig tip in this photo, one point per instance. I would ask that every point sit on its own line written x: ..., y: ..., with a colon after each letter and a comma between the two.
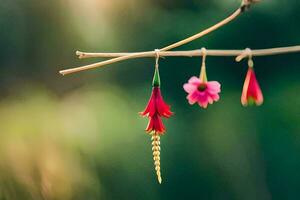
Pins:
x: 80, y: 54
x: 156, y: 155
x: 246, y: 4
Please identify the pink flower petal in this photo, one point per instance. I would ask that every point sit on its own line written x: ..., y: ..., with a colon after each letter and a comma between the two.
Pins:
x: 203, y: 104
x: 189, y: 87
x: 193, y: 97
x: 215, y: 97
x: 194, y: 80
x: 213, y: 87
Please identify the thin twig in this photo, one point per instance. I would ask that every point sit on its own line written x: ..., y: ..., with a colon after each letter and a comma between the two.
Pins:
x: 192, y: 53
x: 172, y: 46
x: 202, y: 33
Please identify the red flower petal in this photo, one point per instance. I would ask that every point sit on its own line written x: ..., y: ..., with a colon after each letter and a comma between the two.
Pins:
x: 156, y: 125
x: 156, y: 104
x: 161, y: 107
x: 151, y: 107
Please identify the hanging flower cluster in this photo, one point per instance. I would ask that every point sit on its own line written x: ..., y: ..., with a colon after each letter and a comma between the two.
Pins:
x: 200, y: 91
x: 155, y: 110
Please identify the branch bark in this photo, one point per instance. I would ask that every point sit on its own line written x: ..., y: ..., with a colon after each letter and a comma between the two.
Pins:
x: 192, y: 53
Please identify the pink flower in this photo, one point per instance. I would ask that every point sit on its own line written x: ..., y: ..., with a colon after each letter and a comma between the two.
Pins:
x: 202, y: 92
x: 251, y: 91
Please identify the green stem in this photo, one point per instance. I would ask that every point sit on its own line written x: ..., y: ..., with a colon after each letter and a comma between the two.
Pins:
x: 156, y: 78
x: 203, y: 76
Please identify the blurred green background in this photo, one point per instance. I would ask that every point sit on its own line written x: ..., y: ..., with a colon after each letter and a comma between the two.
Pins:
x: 79, y: 137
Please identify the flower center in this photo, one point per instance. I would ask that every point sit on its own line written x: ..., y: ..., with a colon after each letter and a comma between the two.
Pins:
x: 202, y: 87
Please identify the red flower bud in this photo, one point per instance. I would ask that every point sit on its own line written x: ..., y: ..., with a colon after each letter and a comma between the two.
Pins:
x: 251, y: 90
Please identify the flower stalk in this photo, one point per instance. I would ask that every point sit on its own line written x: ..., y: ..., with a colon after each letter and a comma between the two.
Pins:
x: 155, y: 110
x: 156, y: 155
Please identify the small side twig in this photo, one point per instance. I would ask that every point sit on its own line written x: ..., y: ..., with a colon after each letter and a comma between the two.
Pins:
x: 246, y: 4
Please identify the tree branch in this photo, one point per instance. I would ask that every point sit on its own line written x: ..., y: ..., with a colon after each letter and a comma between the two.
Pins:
x: 192, y: 53
x: 117, y: 57
x: 172, y: 46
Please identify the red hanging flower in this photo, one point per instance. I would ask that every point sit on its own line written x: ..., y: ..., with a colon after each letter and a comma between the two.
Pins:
x: 156, y: 105
x: 251, y: 91
x: 156, y: 108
